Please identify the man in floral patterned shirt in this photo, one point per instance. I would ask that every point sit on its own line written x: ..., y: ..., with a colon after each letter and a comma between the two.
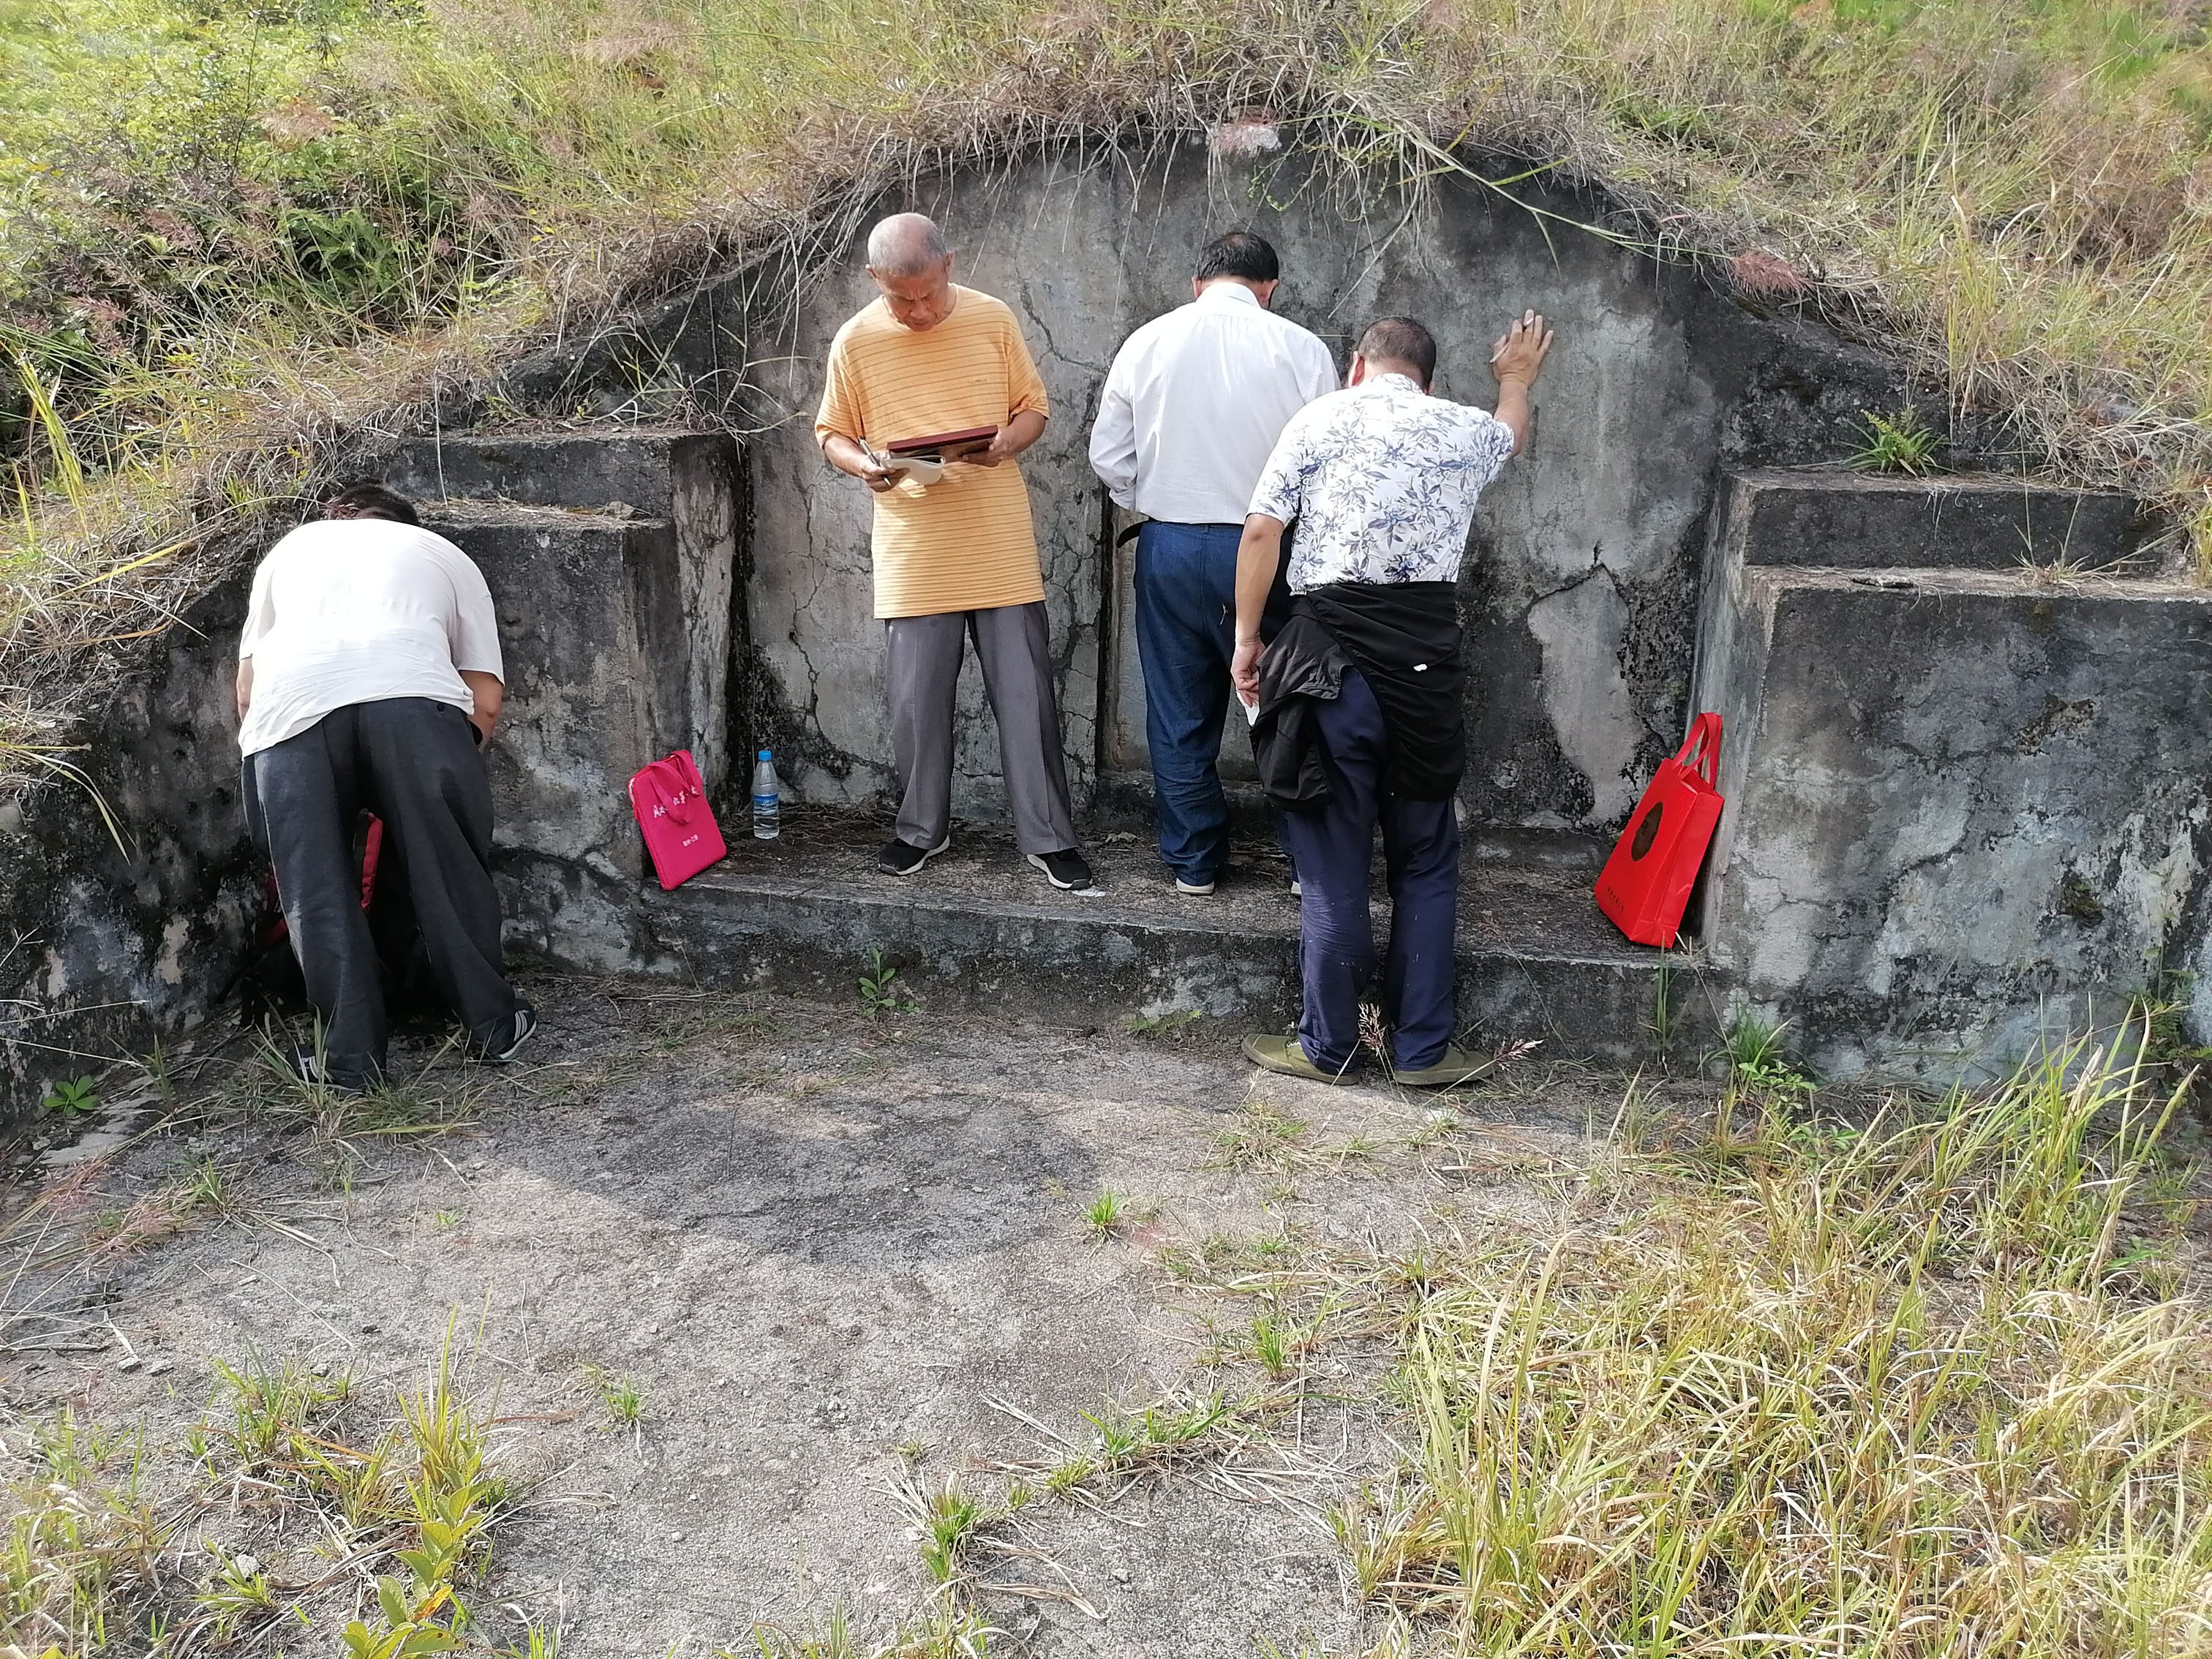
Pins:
x: 1360, y: 700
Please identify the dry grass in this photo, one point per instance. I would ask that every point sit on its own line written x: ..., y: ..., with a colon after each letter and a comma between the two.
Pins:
x: 234, y: 243
x: 357, y: 1530
x: 1928, y: 1390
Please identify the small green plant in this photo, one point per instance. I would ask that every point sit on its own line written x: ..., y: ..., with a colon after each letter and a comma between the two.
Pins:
x: 1902, y: 442
x: 949, y: 1519
x: 1758, y: 1064
x: 205, y: 1184
x: 71, y: 1098
x: 1105, y: 1216
x: 1161, y: 1024
x: 1271, y: 1345
x: 619, y: 1397
x: 1261, y: 1136
x: 238, y: 1595
x: 880, y: 991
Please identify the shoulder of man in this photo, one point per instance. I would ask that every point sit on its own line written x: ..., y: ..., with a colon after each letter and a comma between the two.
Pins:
x: 867, y: 319
x: 1324, y: 410
x: 983, y: 308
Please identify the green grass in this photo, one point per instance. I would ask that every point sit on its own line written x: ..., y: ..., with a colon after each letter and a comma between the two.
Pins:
x: 231, y: 234
x: 1908, y: 1391
x: 94, y: 1562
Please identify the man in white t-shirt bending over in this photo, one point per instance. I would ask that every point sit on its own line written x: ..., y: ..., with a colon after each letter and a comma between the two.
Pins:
x: 368, y: 677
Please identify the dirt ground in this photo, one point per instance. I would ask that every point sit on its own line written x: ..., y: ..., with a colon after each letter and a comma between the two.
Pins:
x: 834, y: 1251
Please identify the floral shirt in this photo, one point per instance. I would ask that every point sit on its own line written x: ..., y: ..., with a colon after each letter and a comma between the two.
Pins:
x: 1383, y: 480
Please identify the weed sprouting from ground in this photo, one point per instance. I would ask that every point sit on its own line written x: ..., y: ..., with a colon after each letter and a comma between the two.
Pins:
x: 1898, y: 442
x: 91, y: 1565
x: 1104, y: 1216
x: 880, y: 990
x: 1261, y: 1136
x: 621, y: 1400
x: 1897, y: 1391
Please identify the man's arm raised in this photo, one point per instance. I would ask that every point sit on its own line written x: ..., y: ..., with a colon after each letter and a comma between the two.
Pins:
x: 1517, y: 357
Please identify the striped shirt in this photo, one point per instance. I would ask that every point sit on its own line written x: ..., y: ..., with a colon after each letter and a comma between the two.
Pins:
x: 965, y: 543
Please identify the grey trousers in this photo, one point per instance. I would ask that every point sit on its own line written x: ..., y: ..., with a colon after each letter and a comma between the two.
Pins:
x: 413, y: 762
x: 921, y: 671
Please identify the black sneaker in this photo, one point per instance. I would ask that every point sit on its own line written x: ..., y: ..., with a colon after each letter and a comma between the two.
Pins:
x: 1065, y: 869
x: 308, y: 1068
x: 525, y: 1022
x: 904, y: 858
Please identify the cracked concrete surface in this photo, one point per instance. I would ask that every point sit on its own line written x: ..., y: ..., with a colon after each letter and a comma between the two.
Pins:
x: 1652, y: 387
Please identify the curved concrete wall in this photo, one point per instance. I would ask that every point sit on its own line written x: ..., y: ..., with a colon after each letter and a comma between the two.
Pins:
x: 1581, y: 592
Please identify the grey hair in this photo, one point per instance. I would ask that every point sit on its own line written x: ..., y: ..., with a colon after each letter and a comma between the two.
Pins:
x: 905, y: 244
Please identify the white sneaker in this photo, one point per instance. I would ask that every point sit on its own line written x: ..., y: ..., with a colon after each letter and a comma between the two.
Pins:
x: 1195, y: 889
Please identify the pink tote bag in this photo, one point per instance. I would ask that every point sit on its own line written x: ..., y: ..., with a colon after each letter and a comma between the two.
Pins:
x: 679, y: 828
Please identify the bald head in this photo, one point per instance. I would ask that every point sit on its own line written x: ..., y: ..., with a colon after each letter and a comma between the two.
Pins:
x: 912, y: 266
x: 905, y: 244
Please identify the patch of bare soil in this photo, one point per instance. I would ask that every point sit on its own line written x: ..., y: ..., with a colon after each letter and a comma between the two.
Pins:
x: 765, y: 1294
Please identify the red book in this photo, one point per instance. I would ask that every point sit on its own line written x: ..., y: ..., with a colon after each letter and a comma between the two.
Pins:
x: 945, y: 445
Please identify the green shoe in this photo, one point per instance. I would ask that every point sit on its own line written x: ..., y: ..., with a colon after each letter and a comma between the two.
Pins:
x: 1457, y: 1067
x: 1278, y: 1054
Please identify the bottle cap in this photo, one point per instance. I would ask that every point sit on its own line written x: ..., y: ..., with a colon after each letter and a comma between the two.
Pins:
x: 764, y: 754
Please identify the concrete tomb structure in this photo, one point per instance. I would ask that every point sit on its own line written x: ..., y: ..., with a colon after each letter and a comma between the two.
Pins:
x: 1969, y: 718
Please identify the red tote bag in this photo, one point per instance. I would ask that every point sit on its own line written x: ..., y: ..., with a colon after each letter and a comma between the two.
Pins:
x: 680, y: 831
x: 1647, y: 881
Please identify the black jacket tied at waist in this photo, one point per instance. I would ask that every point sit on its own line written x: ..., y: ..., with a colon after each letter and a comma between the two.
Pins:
x: 1404, y: 637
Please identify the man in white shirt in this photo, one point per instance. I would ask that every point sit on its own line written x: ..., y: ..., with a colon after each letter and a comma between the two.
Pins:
x: 1192, y: 408
x: 368, y: 677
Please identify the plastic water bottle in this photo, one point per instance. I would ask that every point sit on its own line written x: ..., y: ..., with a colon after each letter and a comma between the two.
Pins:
x: 765, y: 802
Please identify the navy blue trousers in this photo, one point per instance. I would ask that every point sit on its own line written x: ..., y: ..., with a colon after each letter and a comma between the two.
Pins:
x: 1186, y: 633
x: 1336, y: 938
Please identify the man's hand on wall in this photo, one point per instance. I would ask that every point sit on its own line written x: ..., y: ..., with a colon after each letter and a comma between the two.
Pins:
x: 1519, y: 353
x: 1516, y: 358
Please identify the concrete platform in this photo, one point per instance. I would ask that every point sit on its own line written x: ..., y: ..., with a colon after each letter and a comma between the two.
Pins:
x: 1826, y: 518
x: 980, y: 927
x: 632, y: 467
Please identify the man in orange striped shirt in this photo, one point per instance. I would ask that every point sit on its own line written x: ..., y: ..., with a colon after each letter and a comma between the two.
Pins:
x: 954, y: 552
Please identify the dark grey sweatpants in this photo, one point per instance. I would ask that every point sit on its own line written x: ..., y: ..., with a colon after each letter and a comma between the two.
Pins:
x: 921, y: 673
x: 413, y: 762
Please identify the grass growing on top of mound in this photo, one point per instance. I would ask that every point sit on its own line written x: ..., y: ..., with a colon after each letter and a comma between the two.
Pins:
x: 233, y: 230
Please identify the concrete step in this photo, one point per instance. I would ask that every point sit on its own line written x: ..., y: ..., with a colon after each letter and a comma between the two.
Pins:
x: 1862, y: 521
x: 978, y: 927
x: 1966, y: 808
x: 633, y: 467
x: 596, y: 642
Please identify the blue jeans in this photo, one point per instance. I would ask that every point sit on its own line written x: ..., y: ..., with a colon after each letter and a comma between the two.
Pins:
x: 1186, y: 633
x: 1336, y: 938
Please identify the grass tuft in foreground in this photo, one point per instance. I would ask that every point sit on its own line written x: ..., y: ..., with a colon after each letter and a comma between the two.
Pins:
x: 1906, y: 1391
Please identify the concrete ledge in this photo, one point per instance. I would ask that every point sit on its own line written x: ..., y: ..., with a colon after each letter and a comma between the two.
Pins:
x: 1858, y: 521
x: 596, y: 642
x: 633, y: 467
x: 1100, y: 960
